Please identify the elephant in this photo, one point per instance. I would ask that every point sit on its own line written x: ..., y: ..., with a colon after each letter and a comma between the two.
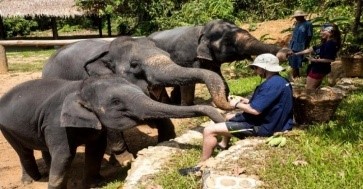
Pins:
x: 209, y: 46
x: 56, y: 116
x: 139, y: 61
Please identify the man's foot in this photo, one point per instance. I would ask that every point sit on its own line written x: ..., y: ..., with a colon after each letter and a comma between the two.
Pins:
x: 190, y: 171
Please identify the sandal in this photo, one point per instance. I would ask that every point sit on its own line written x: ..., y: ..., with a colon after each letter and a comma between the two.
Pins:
x: 189, y: 170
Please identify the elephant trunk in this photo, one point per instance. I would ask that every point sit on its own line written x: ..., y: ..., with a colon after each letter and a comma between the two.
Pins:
x: 247, y: 44
x: 177, y: 75
x: 160, y: 110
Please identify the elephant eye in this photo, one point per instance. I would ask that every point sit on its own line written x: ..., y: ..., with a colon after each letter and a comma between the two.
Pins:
x: 134, y: 64
x: 115, y: 101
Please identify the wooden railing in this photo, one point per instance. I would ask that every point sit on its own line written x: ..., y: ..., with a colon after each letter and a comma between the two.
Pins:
x: 33, y: 43
x: 41, y: 43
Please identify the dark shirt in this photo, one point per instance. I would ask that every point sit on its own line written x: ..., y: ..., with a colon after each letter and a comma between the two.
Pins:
x: 327, y: 50
x: 302, y: 32
x: 273, y: 98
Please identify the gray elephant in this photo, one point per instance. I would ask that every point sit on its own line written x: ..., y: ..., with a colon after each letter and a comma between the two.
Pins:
x: 139, y: 61
x: 208, y: 47
x: 55, y: 116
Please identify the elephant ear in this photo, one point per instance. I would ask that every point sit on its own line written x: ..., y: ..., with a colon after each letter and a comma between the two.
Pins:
x: 75, y: 114
x: 99, y: 64
x: 203, y: 49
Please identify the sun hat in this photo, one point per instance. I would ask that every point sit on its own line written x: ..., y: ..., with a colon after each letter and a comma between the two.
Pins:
x: 299, y: 13
x: 267, y: 62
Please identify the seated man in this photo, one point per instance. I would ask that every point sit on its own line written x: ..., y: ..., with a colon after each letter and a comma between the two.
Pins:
x: 269, y: 110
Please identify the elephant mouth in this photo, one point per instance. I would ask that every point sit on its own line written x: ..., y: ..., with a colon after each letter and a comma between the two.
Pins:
x: 204, y: 58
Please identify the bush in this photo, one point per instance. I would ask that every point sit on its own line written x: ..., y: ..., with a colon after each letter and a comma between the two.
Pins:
x: 18, y: 26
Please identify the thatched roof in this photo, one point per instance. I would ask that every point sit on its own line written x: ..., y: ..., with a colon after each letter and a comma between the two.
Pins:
x: 56, y: 8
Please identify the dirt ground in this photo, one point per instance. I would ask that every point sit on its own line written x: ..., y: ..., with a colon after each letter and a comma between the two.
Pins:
x: 10, y: 171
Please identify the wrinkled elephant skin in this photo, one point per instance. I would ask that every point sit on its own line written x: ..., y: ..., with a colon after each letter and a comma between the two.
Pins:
x: 139, y: 61
x: 56, y: 116
x: 209, y: 46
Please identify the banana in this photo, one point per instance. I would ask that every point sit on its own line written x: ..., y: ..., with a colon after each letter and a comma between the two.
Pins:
x: 283, y: 142
x: 269, y: 139
x: 275, y: 141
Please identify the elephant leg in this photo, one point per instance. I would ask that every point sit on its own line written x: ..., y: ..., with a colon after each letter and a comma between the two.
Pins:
x: 30, y: 169
x: 187, y: 95
x: 62, y: 157
x: 166, y: 130
x: 94, y: 152
x: 175, y: 96
x: 47, y: 158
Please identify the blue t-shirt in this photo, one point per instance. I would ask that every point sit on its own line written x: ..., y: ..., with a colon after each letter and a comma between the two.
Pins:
x: 301, y: 32
x: 273, y: 98
x: 327, y: 50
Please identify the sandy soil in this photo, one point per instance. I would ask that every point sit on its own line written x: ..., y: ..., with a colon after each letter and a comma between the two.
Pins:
x: 10, y: 171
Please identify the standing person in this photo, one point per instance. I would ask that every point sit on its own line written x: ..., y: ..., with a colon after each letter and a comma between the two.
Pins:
x: 323, y: 55
x: 269, y: 110
x: 300, y: 40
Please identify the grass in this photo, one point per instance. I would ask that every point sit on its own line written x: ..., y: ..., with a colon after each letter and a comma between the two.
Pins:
x: 27, y: 59
x: 332, y: 153
x: 326, y: 155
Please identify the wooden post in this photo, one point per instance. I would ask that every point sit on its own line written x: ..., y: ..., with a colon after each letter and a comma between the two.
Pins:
x: 109, y: 25
x: 54, y: 27
x: 3, y: 60
x: 2, y: 29
x: 99, y: 25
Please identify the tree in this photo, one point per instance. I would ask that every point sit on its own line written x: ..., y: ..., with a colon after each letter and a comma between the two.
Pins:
x: 358, y: 14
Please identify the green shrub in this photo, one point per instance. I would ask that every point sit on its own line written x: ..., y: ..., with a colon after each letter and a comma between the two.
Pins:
x: 18, y: 26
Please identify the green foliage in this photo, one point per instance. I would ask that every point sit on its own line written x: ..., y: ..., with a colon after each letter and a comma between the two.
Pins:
x: 195, y: 12
x: 18, y: 26
x: 68, y: 28
x: 340, y: 14
x: 250, y: 10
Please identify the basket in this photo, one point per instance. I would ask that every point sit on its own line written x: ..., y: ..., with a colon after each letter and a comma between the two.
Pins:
x: 353, y: 66
x: 315, y: 107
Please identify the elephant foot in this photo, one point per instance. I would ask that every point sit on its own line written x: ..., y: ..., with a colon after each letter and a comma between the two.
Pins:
x: 122, y: 159
x: 27, y: 179
x: 94, y: 182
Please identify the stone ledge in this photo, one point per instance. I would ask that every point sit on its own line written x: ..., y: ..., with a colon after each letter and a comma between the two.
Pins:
x: 150, y: 161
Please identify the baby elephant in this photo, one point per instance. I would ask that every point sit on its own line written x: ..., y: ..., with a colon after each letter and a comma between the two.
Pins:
x: 55, y: 116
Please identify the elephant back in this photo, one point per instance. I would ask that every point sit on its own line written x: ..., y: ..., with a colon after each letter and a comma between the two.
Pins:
x: 68, y: 62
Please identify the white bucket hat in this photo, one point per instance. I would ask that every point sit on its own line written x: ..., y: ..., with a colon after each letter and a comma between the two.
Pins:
x: 299, y: 13
x: 267, y: 62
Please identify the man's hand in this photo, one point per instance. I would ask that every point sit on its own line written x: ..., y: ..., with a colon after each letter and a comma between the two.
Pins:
x: 234, y: 100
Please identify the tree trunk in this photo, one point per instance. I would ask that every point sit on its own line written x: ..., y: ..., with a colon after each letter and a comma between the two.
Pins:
x: 358, y: 13
x: 3, y: 60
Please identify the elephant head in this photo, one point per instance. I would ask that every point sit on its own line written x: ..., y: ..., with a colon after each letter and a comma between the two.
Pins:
x: 142, y: 63
x: 115, y: 103
x: 221, y: 41
x: 208, y: 47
